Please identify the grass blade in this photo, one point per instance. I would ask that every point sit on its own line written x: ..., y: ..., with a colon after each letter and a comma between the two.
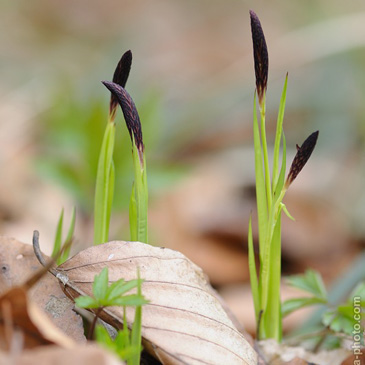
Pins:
x: 279, y: 131
x: 253, y: 272
x: 260, y: 183
x: 69, y: 238
x: 58, y: 238
x: 136, y: 333
x: 104, y: 187
x: 272, y: 316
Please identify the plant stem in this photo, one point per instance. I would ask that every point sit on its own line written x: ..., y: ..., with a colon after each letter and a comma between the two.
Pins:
x: 104, y: 186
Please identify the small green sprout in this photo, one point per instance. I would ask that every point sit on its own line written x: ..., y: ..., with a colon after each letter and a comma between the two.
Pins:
x: 270, y: 191
x: 58, y: 239
x: 127, y: 344
x: 113, y: 295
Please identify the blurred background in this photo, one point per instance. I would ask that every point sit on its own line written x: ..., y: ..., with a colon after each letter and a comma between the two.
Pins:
x: 193, y: 81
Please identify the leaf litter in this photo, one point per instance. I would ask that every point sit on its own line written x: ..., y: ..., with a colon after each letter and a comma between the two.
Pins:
x: 183, y: 323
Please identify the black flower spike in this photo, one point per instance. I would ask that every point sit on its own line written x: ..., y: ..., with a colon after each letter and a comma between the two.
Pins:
x: 130, y: 114
x: 260, y: 56
x: 120, y: 77
x: 301, y: 158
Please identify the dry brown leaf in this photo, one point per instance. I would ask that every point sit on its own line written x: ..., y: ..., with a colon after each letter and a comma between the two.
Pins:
x: 90, y: 355
x: 18, y: 263
x: 184, y: 323
x: 18, y: 314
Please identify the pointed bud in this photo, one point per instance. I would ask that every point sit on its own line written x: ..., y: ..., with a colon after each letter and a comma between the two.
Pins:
x: 301, y: 158
x: 120, y: 77
x: 260, y: 56
x: 130, y: 114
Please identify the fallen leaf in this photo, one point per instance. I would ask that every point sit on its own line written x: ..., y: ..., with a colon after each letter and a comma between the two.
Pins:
x: 91, y: 355
x: 18, y: 314
x: 17, y: 263
x: 184, y: 323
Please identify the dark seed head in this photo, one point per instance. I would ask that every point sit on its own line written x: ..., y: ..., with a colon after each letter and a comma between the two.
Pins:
x: 301, y: 158
x: 260, y: 56
x: 120, y: 77
x: 130, y: 114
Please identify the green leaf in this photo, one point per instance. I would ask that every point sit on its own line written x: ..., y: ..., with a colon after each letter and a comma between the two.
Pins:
x: 136, y: 334
x: 294, y: 304
x: 120, y: 287
x: 103, y: 338
x: 133, y: 220
x: 280, y: 183
x: 358, y: 292
x: 273, y: 311
x: 339, y: 321
x: 100, y: 285
x: 253, y: 272
x: 286, y: 211
x: 310, y: 282
x: 127, y: 300
x: 70, y: 234
x: 87, y: 302
x: 58, y: 239
x: 279, y: 131
x: 104, y: 188
x: 262, y: 212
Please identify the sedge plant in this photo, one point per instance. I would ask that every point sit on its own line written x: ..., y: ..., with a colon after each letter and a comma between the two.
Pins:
x: 271, y: 187
x: 139, y: 197
x: 104, y: 189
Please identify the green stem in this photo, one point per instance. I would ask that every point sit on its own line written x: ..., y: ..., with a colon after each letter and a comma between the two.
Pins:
x: 104, y: 186
x: 264, y: 149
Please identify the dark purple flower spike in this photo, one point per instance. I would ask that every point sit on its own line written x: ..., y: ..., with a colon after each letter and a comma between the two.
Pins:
x: 260, y: 55
x: 130, y: 114
x: 120, y: 77
x: 301, y: 158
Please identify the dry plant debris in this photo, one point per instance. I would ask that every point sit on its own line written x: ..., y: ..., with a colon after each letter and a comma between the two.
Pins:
x: 184, y: 322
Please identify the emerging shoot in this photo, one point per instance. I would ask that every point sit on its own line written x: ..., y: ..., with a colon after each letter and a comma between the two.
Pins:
x: 104, y: 190
x: 139, y: 198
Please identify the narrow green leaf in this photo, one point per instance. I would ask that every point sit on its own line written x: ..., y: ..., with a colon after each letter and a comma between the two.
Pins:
x: 281, y: 180
x: 286, y: 211
x: 311, y: 282
x: 100, y: 285
x: 253, y: 272
x: 126, y: 300
x: 104, y: 186
x: 87, y: 302
x: 279, y: 131
x: 273, y: 309
x: 294, y: 304
x: 110, y: 196
x: 103, y: 338
x: 133, y: 220
x: 136, y: 334
x: 70, y: 234
x: 260, y: 184
x: 265, y: 154
x: 58, y: 238
x: 120, y: 287
x: 138, y: 208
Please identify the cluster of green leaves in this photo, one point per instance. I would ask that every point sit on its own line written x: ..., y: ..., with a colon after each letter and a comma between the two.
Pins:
x: 335, y: 320
x: 58, y: 243
x: 127, y: 343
